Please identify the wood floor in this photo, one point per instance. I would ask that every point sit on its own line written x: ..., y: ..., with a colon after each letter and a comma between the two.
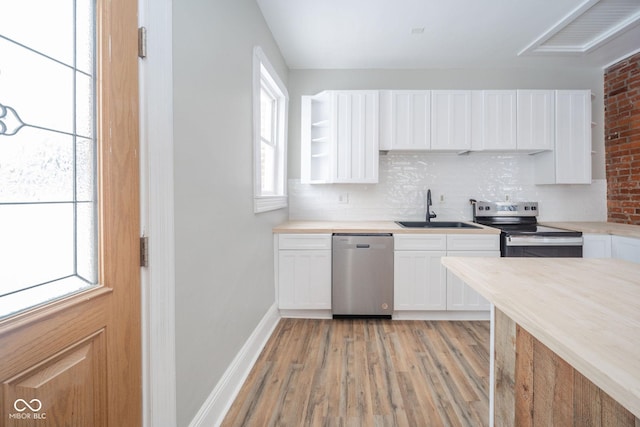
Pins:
x: 367, y: 372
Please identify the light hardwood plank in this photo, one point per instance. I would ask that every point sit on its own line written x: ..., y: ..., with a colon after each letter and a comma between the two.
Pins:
x: 364, y: 372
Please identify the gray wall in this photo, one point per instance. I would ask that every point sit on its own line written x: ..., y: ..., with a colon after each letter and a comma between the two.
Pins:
x: 309, y: 82
x: 224, y: 261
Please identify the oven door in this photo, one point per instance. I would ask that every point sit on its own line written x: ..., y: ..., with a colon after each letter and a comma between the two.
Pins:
x: 541, y: 246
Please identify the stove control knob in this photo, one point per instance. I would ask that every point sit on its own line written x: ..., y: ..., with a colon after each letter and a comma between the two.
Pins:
x: 533, y: 208
x: 526, y: 208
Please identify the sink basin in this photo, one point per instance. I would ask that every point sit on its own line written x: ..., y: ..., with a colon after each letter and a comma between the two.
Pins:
x: 435, y: 224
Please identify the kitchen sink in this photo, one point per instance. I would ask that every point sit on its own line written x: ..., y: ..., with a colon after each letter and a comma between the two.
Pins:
x: 435, y: 224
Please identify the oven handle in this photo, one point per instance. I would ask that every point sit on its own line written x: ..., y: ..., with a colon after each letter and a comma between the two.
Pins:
x: 543, y: 241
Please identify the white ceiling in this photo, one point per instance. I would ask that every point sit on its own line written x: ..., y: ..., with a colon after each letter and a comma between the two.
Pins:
x: 453, y: 33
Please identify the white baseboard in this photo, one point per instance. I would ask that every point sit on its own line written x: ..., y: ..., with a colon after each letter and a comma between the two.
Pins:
x: 219, y: 401
x: 306, y: 314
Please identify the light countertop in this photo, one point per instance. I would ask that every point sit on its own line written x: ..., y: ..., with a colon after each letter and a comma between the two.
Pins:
x: 391, y: 227
x: 373, y: 227
x: 585, y: 310
x: 626, y: 230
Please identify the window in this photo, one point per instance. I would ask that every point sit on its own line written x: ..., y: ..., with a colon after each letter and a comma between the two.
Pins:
x: 270, y: 103
x: 48, y: 226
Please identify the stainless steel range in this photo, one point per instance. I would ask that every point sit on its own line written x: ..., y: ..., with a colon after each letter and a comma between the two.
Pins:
x: 521, y: 235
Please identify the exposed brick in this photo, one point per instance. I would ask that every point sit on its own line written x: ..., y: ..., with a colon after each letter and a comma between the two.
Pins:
x: 622, y: 140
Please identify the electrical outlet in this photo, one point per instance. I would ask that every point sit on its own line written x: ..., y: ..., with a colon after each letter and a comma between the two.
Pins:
x: 442, y: 198
x: 343, y: 198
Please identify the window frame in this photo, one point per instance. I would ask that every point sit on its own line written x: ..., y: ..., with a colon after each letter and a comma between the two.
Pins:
x: 264, y: 75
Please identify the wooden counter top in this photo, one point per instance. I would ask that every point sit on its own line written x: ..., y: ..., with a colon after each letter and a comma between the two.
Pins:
x: 372, y: 227
x: 587, y: 311
x: 626, y: 230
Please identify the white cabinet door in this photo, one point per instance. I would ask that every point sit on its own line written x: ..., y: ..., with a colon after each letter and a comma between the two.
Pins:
x: 419, y: 281
x: 573, y: 137
x: 303, y: 271
x: 460, y: 296
x: 536, y: 120
x: 627, y: 248
x: 405, y: 120
x: 498, y: 120
x: 570, y: 161
x: 596, y: 246
x: 356, y: 137
x: 304, y: 279
x: 451, y: 120
x: 339, y: 137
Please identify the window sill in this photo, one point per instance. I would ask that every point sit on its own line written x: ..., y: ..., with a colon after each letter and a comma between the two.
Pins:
x: 269, y: 203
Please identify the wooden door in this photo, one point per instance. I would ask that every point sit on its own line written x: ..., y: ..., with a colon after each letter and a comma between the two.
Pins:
x: 77, y: 361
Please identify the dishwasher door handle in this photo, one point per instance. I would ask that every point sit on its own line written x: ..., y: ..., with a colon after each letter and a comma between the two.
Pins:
x: 363, y: 245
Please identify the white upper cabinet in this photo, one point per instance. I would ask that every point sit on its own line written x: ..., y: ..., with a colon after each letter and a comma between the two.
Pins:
x: 340, y: 137
x: 357, y: 136
x: 343, y: 131
x: 494, y: 115
x: 405, y: 120
x: 318, y: 142
x: 536, y: 120
x: 451, y: 120
x: 570, y: 161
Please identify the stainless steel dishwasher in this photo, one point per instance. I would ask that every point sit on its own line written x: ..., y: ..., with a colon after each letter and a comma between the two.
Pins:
x: 362, y: 275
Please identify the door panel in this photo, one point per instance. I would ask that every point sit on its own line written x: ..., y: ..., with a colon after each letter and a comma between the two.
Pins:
x: 78, y: 360
x: 72, y: 382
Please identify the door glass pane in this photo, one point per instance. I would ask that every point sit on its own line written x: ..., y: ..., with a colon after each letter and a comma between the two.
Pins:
x: 48, y: 227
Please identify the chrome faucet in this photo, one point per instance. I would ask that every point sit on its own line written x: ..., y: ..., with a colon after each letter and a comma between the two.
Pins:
x: 429, y: 203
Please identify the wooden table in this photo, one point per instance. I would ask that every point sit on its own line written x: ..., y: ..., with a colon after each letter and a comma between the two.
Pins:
x: 567, y: 338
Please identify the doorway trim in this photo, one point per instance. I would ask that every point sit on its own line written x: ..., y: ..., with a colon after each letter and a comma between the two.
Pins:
x: 157, y: 216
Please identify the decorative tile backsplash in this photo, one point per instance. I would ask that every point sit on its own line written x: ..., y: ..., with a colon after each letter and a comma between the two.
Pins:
x: 453, y: 180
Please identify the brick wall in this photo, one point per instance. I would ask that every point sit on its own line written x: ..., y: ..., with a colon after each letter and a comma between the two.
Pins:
x: 622, y: 140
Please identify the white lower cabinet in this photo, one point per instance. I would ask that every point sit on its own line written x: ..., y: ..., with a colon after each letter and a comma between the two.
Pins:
x: 421, y: 283
x: 608, y: 246
x: 303, y: 271
x: 460, y: 296
x: 627, y: 248
x: 419, y: 279
x: 596, y: 246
